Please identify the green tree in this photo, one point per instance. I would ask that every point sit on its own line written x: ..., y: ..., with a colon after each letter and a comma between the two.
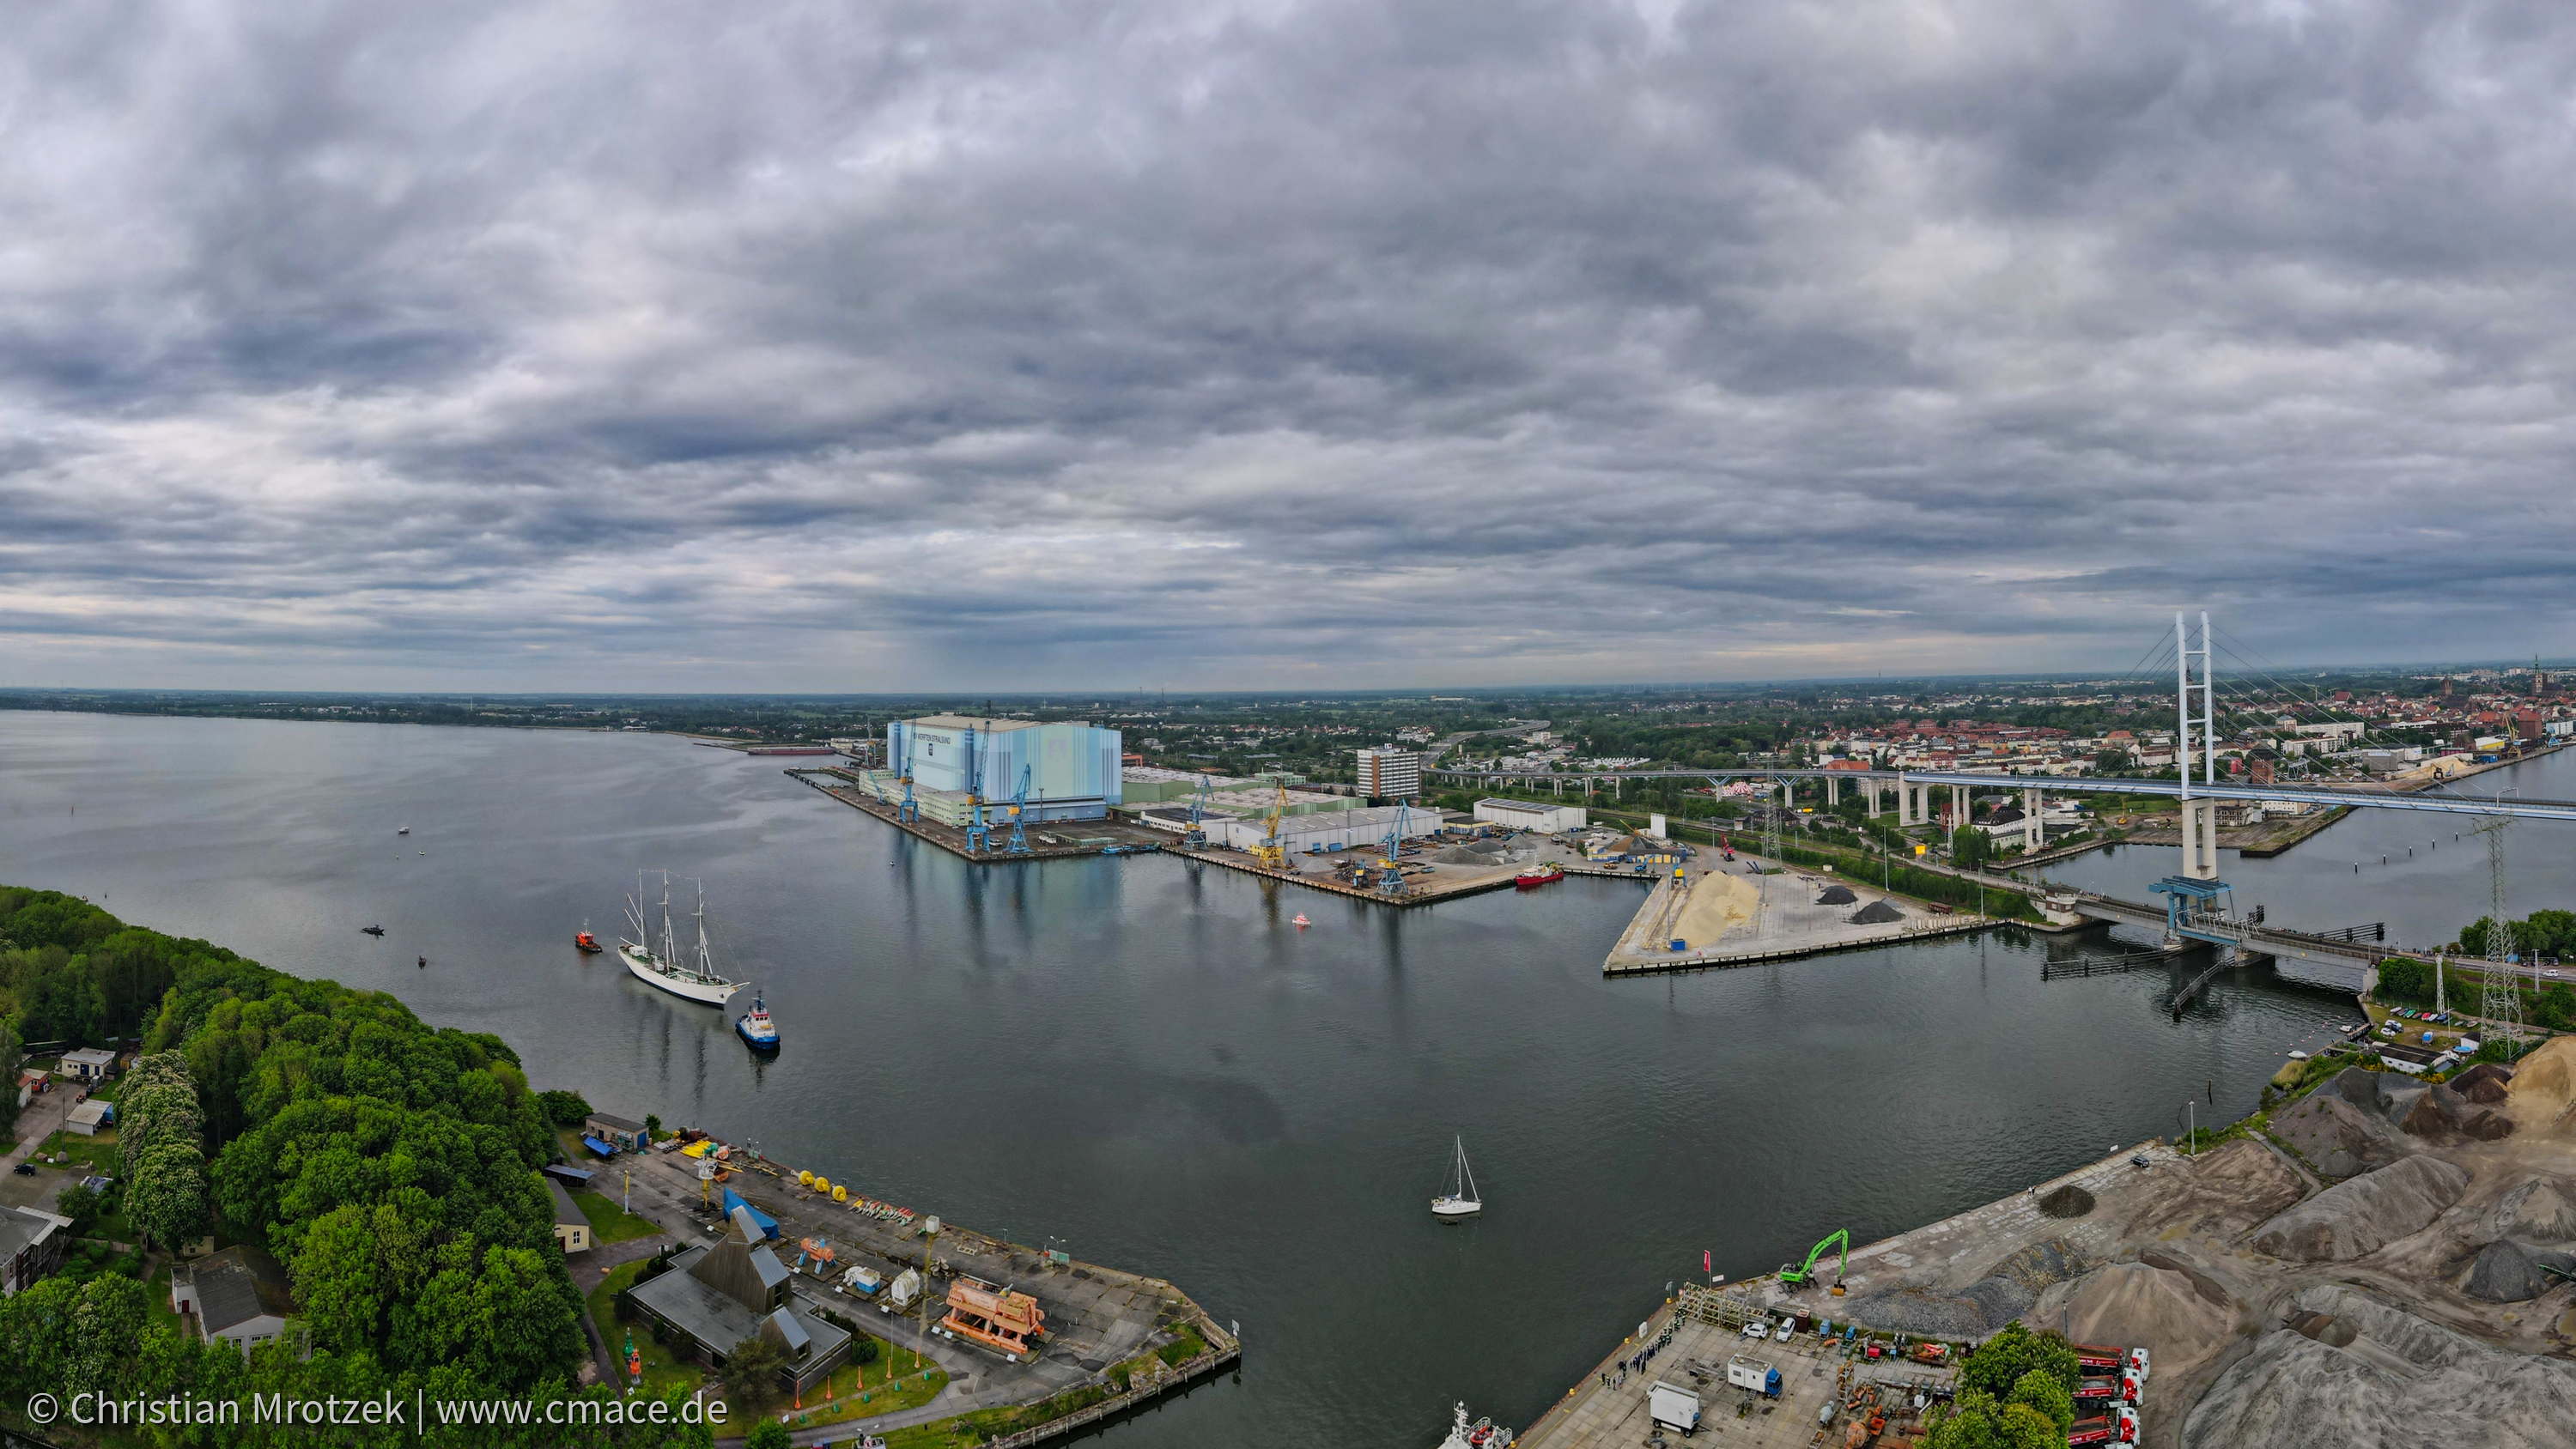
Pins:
x: 564, y: 1109
x: 1996, y: 1365
x: 2041, y: 1390
x: 2405, y: 979
x: 82, y: 1205
x: 1970, y: 847
x: 768, y: 1434
x: 751, y: 1373
x: 165, y: 1197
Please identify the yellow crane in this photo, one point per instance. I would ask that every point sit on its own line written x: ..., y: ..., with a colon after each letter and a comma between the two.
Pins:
x: 1270, y: 852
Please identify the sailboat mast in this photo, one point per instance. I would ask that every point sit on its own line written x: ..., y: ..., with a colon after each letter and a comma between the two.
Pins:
x: 670, y: 945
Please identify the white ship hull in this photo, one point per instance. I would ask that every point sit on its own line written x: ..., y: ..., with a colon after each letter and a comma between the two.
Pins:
x: 681, y: 984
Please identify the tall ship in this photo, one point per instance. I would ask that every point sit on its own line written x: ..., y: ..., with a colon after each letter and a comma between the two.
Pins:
x: 701, y: 982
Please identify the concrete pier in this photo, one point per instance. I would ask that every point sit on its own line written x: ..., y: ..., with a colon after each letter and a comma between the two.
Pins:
x: 1729, y: 916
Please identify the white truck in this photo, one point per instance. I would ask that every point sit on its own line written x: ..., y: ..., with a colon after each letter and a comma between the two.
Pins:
x: 1746, y: 1373
x: 1671, y: 1407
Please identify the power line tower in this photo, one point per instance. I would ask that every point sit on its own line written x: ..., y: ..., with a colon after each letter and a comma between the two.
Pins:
x: 2502, y: 1004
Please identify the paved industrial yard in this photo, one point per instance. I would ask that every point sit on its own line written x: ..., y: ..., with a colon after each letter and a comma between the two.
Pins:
x: 1813, y: 1374
x: 1728, y: 915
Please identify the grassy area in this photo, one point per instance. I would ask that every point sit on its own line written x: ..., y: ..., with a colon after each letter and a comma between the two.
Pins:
x: 661, y: 1370
x: 896, y: 1379
x: 610, y: 1223
x: 96, y: 1154
x: 985, y: 1424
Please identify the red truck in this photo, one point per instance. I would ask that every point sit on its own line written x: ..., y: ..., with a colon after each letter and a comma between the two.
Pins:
x: 2120, y: 1426
x: 2105, y: 1389
x: 2094, y: 1358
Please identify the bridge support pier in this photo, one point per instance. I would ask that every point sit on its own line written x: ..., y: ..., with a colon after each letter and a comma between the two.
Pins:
x: 1832, y: 792
x: 2200, y: 839
x: 1963, y: 803
x: 2034, y: 835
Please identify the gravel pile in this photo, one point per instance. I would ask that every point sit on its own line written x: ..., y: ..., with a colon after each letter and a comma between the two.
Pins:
x: 2510, y: 1272
x: 2399, y: 1382
x: 2363, y: 1215
x: 1836, y: 895
x: 2136, y: 1303
x: 1877, y: 913
x: 2069, y: 1201
x: 1460, y: 855
x: 2542, y: 1210
x: 2339, y: 1138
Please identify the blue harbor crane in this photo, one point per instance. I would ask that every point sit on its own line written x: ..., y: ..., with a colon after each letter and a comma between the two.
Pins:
x: 1020, y: 814
x: 1196, y: 836
x: 978, y: 839
x: 909, y: 811
x: 1391, y: 880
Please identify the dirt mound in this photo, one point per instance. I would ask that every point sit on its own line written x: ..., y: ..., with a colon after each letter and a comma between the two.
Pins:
x: 2324, y: 1124
x: 2543, y: 1210
x: 2133, y: 1303
x: 2482, y: 1078
x: 1836, y: 895
x: 2393, y: 1379
x: 2510, y: 1272
x: 2361, y: 1216
x: 1877, y: 913
x: 2363, y: 1088
x: 2438, y: 1112
x: 2069, y: 1201
x: 2545, y: 1082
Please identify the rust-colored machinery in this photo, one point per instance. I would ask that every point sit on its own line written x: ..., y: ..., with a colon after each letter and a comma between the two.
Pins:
x: 994, y: 1317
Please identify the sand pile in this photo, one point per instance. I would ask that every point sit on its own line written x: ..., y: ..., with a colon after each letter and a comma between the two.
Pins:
x: 2004, y: 1294
x: 2069, y: 1201
x: 2336, y: 1137
x: 2511, y: 1272
x: 2361, y: 1216
x: 1836, y: 895
x: 2395, y: 1381
x: 2545, y: 1081
x: 2134, y: 1303
x: 2542, y: 1210
x: 1877, y: 913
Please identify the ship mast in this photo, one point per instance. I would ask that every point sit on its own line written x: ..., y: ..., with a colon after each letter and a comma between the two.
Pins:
x: 670, y: 946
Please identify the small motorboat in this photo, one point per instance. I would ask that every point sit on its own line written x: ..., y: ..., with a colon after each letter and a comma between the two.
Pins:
x: 755, y: 1028
x: 1458, y: 1201
x: 373, y: 930
x: 1530, y: 880
x: 1301, y: 922
x: 402, y: 830
x: 424, y: 962
x: 588, y: 943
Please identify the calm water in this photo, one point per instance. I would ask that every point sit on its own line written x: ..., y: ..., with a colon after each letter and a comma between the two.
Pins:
x: 1140, y: 1058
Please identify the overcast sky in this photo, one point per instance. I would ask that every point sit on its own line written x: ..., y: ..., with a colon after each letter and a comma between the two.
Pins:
x: 883, y: 346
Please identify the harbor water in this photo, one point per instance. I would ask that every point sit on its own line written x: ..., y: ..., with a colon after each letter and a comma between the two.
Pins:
x: 1143, y: 1062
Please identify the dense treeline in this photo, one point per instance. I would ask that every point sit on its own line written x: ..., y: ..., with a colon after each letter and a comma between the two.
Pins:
x: 390, y: 1166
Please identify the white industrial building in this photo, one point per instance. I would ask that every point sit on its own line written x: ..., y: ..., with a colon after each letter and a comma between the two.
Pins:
x: 1530, y: 815
x: 1390, y: 774
x: 1331, y: 830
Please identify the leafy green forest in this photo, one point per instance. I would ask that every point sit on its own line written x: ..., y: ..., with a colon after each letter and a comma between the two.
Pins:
x: 392, y: 1168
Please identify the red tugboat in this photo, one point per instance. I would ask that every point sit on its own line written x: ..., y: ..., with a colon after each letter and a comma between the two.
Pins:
x: 588, y: 943
x: 1532, y: 880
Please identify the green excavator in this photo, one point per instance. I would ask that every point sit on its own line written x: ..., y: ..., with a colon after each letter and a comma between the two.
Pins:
x: 1794, y: 1277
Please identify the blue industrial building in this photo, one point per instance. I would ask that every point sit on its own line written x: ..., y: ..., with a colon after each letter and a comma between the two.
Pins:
x: 1073, y: 769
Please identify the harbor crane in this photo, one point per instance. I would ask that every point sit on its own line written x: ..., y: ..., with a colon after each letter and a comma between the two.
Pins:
x: 909, y: 811
x: 1196, y: 836
x: 1019, y: 815
x: 1390, y: 879
x: 1270, y: 852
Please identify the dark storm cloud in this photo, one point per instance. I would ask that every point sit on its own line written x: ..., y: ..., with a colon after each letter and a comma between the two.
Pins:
x: 1274, y: 343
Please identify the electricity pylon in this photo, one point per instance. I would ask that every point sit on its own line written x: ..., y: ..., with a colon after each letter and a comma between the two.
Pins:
x: 2502, y: 1003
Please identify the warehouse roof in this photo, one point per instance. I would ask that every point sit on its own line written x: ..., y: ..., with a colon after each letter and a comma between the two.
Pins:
x: 985, y: 726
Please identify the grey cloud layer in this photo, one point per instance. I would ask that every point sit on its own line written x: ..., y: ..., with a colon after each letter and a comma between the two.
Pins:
x: 1111, y: 344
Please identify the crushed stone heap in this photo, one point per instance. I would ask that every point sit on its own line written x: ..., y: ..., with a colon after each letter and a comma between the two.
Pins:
x: 2364, y: 1214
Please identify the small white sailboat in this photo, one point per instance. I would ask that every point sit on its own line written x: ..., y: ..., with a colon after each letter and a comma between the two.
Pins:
x: 1458, y: 1201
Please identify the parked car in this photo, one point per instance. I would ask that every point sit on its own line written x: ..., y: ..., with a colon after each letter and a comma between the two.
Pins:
x: 1784, y: 1330
x: 1758, y: 1328
x: 25, y: 1169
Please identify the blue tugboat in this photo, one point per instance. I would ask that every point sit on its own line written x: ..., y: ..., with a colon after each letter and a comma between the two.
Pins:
x: 756, y: 1029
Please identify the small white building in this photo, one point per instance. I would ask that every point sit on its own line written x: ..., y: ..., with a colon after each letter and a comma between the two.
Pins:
x: 89, y: 1064
x: 227, y: 1298
x: 1530, y: 815
x: 87, y: 1118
